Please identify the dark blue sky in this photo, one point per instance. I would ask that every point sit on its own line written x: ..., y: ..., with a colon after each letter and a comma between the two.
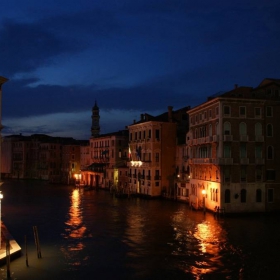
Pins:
x: 133, y: 57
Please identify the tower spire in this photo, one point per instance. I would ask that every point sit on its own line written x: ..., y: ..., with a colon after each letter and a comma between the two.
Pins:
x: 95, y: 128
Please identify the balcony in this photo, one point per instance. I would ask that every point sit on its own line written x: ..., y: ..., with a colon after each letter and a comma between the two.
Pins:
x: 259, y: 161
x: 259, y: 138
x: 228, y: 138
x: 201, y: 140
x: 201, y: 160
x: 222, y: 161
x: 244, y: 161
x: 157, y: 177
x: 215, y: 138
x: 208, y: 139
x: 243, y: 138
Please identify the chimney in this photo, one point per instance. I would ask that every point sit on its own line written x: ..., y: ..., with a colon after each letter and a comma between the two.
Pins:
x: 142, y: 117
x: 170, y: 113
x: 235, y: 86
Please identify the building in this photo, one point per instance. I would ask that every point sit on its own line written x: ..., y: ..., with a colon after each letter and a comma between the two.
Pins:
x: 234, y: 150
x: 39, y: 156
x: 108, y: 157
x: 152, y: 150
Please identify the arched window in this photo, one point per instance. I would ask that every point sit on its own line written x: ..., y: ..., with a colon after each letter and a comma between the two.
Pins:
x: 269, y: 152
x: 242, y: 128
x: 227, y: 196
x: 243, y: 195
x: 258, y: 195
x: 227, y: 128
x: 258, y: 129
x: 269, y: 130
x: 216, y: 195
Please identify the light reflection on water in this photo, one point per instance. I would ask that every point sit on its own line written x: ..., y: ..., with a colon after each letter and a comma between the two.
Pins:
x: 94, y: 234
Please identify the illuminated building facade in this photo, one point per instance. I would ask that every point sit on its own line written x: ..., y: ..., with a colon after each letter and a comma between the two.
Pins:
x: 152, y: 149
x: 108, y: 157
x: 233, y: 150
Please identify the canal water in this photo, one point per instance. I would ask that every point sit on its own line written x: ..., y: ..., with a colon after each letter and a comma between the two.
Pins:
x: 93, y: 235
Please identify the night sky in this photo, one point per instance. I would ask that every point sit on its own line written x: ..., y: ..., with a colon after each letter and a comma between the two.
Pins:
x: 132, y: 57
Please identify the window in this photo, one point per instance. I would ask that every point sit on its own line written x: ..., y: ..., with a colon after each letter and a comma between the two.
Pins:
x: 243, y: 196
x: 258, y: 150
x: 258, y: 173
x: 242, y: 128
x: 243, y: 174
x: 217, y: 111
x: 258, y: 129
x: 210, y: 130
x: 226, y: 110
x: 157, y: 157
x: 269, y: 130
x: 243, y: 150
x: 257, y: 112
x: 227, y: 150
x: 269, y: 152
x: 227, y: 174
x: 269, y: 111
x: 227, y: 128
x: 242, y: 111
x: 270, y: 175
x: 258, y: 195
x: 157, y: 134
x: 270, y: 195
x: 227, y: 196
x: 210, y: 113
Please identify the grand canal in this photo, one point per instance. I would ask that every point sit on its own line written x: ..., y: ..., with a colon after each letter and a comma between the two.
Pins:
x: 93, y: 235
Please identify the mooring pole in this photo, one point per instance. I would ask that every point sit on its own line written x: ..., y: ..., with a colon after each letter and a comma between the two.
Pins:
x: 26, y: 254
x: 8, y: 260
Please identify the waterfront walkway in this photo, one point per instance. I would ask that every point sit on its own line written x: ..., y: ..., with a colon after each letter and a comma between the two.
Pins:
x: 15, y: 249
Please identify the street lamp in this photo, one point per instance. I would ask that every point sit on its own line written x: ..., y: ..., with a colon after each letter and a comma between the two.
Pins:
x: 204, y: 193
x: 1, y: 196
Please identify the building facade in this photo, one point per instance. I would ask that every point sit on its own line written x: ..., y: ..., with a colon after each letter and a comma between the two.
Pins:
x: 108, y: 157
x: 232, y: 145
x: 152, y: 150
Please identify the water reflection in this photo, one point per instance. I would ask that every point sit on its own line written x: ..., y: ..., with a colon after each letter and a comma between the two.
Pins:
x: 199, y: 244
x: 75, y: 229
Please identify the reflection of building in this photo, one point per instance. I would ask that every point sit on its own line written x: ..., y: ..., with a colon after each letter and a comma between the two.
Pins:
x: 152, y: 148
x: 233, y: 144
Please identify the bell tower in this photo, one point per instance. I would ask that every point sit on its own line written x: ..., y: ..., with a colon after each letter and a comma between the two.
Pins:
x: 95, y: 128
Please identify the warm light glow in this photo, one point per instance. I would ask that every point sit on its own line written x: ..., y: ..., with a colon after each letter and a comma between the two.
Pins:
x: 204, y: 192
x: 136, y: 163
x: 1, y: 195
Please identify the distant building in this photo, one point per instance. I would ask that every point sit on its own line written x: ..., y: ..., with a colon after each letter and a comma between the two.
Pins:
x: 39, y: 156
x: 233, y: 150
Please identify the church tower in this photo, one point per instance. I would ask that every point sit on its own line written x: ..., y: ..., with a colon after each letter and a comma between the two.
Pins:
x: 95, y: 128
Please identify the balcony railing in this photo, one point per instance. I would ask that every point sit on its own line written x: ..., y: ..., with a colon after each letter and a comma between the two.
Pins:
x: 157, y: 177
x: 227, y: 138
x: 259, y: 138
x: 244, y: 138
x: 259, y: 160
x: 244, y: 161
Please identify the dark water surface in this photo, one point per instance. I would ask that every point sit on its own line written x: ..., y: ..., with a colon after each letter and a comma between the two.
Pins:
x: 92, y: 235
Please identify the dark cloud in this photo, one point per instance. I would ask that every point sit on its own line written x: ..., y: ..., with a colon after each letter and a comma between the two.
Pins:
x: 26, y: 47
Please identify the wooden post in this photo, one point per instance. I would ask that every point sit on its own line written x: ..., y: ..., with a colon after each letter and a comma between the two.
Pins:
x: 8, y: 260
x: 26, y: 254
x: 37, y: 243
